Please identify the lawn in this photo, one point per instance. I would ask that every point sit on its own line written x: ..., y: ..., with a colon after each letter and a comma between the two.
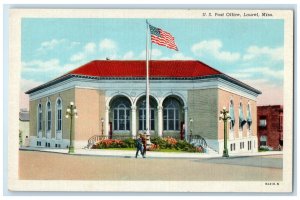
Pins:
x: 161, y: 150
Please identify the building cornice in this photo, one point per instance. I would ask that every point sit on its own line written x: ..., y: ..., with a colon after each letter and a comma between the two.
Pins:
x: 219, y: 76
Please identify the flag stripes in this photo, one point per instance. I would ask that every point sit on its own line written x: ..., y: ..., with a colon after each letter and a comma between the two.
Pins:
x: 163, y: 38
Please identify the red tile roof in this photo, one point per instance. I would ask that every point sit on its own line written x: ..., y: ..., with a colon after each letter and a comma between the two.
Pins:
x: 137, y: 68
x: 171, y: 69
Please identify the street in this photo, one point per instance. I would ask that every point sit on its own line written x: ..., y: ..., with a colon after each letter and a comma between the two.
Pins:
x: 34, y: 165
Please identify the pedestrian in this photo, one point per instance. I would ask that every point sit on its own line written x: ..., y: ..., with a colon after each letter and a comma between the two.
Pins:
x: 139, y: 146
x: 144, y: 141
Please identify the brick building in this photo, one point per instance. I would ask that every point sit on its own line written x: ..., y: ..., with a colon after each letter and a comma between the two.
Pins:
x: 270, y: 130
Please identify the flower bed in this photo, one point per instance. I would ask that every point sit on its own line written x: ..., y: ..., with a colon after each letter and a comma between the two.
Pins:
x: 158, y: 144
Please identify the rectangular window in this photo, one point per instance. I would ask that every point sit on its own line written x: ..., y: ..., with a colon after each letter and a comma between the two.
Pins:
x: 263, y: 140
x: 263, y: 123
x: 249, y: 145
x: 49, y: 121
x: 40, y: 121
x: 59, y: 120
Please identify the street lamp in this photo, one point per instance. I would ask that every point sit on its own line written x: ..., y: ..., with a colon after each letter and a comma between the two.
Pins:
x: 191, y: 130
x: 225, y: 116
x: 71, y: 112
x: 102, y: 121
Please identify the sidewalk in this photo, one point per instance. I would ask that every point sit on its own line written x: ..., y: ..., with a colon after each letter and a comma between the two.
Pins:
x: 149, y: 154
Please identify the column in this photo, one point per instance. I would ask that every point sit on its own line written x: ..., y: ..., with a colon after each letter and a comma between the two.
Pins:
x: 160, y: 122
x: 186, y: 123
x: 106, y: 122
x: 133, y: 121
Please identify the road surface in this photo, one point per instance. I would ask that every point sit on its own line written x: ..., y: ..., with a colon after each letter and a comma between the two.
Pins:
x: 36, y: 165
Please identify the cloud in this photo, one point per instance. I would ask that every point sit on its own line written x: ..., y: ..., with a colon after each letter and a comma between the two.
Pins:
x: 213, y: 48
x: 155, y: 54
x: 51, y: 44
x: 239, y: 75
x: 107, y: 44
x: 40, y: 65
x: 177, y: 56
x: 265, y: 71
x: 255, y: 52
x: 77, y: 57
x: 272, y: 94
x: 90, y: 47
x: 109, y: 48
x: 128, y: 55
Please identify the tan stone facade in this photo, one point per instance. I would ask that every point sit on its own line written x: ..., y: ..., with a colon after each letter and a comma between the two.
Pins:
x: 90, y: 104
x: 66, y: 97
x: 204, y: 112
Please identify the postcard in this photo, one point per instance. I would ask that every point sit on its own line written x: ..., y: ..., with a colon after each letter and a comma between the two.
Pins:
x: 150, y: 100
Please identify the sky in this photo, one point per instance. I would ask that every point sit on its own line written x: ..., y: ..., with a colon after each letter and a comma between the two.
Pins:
x: 249, y: 50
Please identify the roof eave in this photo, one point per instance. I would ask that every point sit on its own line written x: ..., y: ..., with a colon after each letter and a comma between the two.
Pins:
x: 57, y: 80
x: 240, y: 83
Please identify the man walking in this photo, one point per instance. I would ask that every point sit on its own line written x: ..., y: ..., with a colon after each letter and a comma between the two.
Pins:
x: 139, y: 146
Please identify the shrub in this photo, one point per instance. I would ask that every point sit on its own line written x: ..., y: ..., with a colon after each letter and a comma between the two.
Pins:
x: 159, y: 141
x: 129, y: 143
x: 154, y: 147
x: 157, y: 144
x: 182, y: 145
x: 109, y: 143
x: 171, y: 142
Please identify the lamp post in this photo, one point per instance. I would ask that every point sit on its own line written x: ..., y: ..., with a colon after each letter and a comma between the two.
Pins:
x: 191, y: 130
x: 71, y: 112
x: 225, y: 116
x: 102, y: 121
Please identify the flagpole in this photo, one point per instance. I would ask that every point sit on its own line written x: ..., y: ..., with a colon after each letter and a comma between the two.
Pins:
x: 147, y: 83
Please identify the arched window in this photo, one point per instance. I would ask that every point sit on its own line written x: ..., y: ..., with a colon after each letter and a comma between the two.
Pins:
x: 263, y: 140
x: 249, y: 118
x: 40, y: 118
x: 58, y: 115
x: 231, y: 113
x: 242, y: 120
x: 142, y: 116
x: 171, y: 115
x: 49, y: 118
x: 122, y: 115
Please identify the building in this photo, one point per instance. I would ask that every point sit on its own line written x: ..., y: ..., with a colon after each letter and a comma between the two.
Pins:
x: 270, y: 129
x: 115, y: 92
x: 23, y: 126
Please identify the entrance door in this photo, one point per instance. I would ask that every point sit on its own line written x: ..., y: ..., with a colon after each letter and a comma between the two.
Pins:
x: 181, y: 130
x: 110, y: 130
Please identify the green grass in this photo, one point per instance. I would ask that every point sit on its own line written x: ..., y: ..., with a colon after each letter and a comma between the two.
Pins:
x: 128, y: 149
x: 171, y: 150
x: 161, y: 150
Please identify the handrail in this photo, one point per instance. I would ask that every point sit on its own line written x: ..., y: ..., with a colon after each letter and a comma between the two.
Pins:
x: 198, y: 139
x: 94, y: 139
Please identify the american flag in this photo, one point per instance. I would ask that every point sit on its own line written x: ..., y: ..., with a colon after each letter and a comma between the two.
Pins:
x: 163, y: 38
